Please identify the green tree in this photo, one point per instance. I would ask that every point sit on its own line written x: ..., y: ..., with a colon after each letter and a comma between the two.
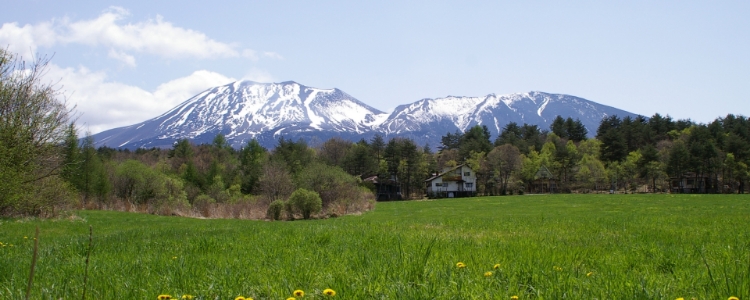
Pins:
x: 305, y: 202
x: 614, y: 147
x: 576, y: 130
x: 530, y: 166
x: 559, y: 128
x: 476, y: 139
x: 510, y: 134
x: 71, y: 168
x: 591, y: 173
x: 504, y: 162
x: 252, y: 157
x: 33, y: 123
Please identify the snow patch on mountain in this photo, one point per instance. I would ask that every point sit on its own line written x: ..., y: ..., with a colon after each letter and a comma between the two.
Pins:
x: 244, y: 110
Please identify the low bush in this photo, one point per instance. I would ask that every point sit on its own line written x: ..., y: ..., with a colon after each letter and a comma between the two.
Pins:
x: 305, y: 202
x: 275, y: 209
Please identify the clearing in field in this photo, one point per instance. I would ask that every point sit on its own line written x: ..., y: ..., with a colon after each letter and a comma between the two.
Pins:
x: 532, y: 247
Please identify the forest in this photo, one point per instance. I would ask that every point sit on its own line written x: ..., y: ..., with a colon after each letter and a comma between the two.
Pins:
x: 215, y: 180
x: 45, y: 166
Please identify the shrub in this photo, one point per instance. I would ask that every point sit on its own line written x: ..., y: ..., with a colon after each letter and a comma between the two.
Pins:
x: 275, y: 209
x: 305, y: 202
x: 203, y: 204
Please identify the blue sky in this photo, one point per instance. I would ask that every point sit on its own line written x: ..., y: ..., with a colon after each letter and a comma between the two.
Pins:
x: 125, y: 62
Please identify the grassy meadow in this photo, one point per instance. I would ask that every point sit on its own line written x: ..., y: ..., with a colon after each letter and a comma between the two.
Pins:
x: 545, y: 246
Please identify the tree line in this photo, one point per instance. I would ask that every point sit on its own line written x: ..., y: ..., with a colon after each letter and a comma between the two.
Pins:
x: 45, y: 166
x: 656, y: 154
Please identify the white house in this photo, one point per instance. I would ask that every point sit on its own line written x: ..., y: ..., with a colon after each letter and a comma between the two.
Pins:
x: 458, y: 181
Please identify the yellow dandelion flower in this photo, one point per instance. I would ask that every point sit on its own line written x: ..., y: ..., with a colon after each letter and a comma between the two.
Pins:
x: 240, y: 298
x: 299, y: 293
x: 589, y: 274
x: 187, y: 297
x: 514, y: 297
x: 496, y: 266
x: 733, y: 298
x: 680, y: 298
x: 290, y: 298
x: 487, y: 274
x: 460, y: 265
x: 329, y: 292
x: 164, y: 297
x: 25, y: 238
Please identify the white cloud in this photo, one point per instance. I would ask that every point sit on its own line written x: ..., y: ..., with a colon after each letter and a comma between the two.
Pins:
x: 273, y: 55
x: 258, y: 75
x: 25, y: 40
x: 251, y: 54
x: 153, y: 36
x: 123, y: 57
x: 104, y: 104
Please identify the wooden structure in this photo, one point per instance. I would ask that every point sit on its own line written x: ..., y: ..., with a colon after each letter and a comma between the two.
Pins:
x: 690, y: 183
x: 544, y: 182
x: 458, y: 181
x: 385, y: 189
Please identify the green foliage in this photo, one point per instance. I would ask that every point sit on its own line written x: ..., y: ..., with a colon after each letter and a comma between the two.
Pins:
x: 305, y: 202
x: 33, y: 125
x: 252, y: 157
x: 275, y: 209
x: 476, y: 139
x: 295, y: 155
x: 614, y: 145
x: 634, y: 246
x: 326, y: 180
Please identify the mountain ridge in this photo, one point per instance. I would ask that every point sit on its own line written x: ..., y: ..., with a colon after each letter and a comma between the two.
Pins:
x: 244, y: 110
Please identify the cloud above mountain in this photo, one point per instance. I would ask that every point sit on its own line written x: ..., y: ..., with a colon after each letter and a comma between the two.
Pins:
x: 110, y: 104
x: 123, y: 39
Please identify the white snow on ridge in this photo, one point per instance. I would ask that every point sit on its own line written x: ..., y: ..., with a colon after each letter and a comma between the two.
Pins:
x: 243, y: 110
x: 315, y: 120
x: 544, y: 105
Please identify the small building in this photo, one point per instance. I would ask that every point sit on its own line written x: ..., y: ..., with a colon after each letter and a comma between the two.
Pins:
x: 385, y: 188
x: 458, y: 181
x: 692, y: 183
x: 544, y: 182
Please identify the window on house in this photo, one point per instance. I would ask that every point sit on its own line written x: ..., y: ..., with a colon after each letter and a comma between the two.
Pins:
x: 469, y: 184
x: 467, y: 173
x: 438, y: 184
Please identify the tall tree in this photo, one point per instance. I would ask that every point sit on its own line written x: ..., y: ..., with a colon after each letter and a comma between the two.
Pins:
x: 505, y: 161
x: 33, y: 123
x: 614, y: 146
x: 252, y: 158
x: 510, y: 134
x: 476, y: 139
x: 559, y: 128
x: 451, y: 141
x: 576, y: 130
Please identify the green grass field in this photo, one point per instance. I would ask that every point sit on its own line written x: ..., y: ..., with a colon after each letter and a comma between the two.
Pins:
x: 547, y: 247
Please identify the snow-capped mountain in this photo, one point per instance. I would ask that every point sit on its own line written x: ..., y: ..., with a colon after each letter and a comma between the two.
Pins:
x: 429, y: 119
x: 244, y: 110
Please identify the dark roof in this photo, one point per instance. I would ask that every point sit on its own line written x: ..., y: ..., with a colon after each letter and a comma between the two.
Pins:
x: 543, y: 172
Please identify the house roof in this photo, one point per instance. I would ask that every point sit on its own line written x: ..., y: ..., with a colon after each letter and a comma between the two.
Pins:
x: 543, y: 172
x: 445, y: 172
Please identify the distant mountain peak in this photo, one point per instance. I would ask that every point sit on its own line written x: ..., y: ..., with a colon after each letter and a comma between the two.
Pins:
x: 245, y: 109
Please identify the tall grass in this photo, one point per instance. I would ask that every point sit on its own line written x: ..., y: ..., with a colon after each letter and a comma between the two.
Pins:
x: 547, y: 246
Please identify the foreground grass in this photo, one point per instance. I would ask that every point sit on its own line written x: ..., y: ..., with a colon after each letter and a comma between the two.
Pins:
x: 547, y: 247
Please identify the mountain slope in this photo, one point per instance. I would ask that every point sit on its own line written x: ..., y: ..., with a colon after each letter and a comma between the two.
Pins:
x: 429, y: 119
x: 245, y: 110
